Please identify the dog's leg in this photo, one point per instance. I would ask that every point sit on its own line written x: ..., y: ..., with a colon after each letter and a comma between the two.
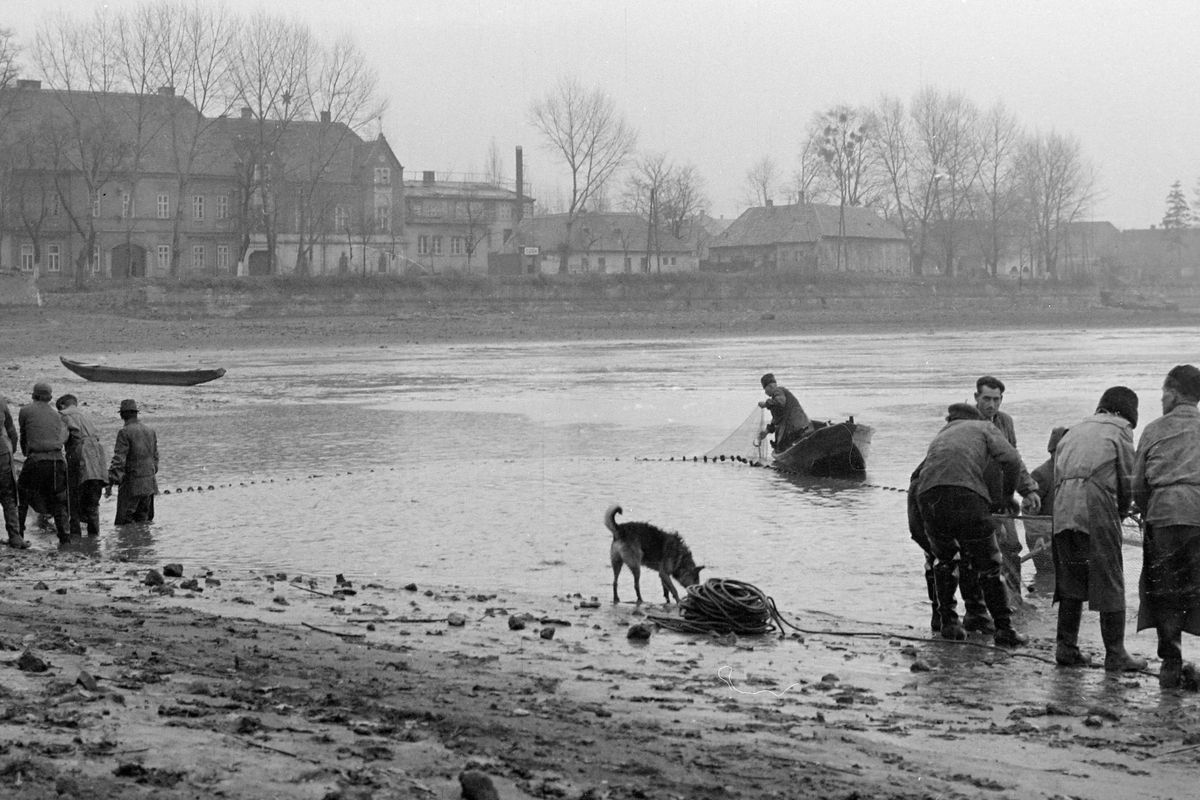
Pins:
x: 668, y: 587
x: 636, y: 569
x: 617, y: 561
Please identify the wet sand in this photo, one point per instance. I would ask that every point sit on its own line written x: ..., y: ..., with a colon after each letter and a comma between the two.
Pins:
x: 252, y: 685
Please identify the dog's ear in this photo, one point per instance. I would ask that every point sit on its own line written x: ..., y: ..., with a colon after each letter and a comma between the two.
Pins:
x: 700, y: 568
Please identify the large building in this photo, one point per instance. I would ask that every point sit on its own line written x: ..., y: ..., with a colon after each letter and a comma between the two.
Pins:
x: 122, y: 184
x: 603, y: 242
x: 811, y: 238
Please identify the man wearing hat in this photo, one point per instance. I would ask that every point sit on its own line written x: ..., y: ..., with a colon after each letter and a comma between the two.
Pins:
x: 1093, y: 469
x: 134, y: 465
x: 788, y: 420
x: 9, y: 442
x: 43, y: 482
x: 86, y: 466
x: 954, y: 502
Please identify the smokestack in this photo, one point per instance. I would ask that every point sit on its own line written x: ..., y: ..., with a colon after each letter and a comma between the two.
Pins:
x: 770, y: 202
x: 428, y: 176
x: 246, y: 112
x: 520, y: 185
x: 325, y: 116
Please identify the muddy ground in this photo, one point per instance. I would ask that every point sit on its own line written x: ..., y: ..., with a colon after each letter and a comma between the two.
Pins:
x: 270, y: 685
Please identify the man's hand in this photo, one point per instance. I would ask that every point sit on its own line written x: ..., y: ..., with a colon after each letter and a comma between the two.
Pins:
x: 1031, y: 503
x: 762, y: 403
x: 108, y: 490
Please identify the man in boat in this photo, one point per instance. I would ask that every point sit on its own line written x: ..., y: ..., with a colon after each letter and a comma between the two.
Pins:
x: 43, y: 482
x: 1166, y: 490
x: 788, y: 420
x: 133, y: 468
x: 9, y: 442
x: 955, y: 505
x: 86, y: 466
x: 1093, y: 467
x: 989, y: 394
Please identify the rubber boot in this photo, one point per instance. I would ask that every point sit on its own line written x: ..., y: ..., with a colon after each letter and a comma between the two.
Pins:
x: 17, y: 542
x: 1170, y: 650
x: 947, y: 584
x: 1066, y: 651
x: 976, y: 616
x: 996, y: 598
x: 935, y: 622
x: 1116, y: 657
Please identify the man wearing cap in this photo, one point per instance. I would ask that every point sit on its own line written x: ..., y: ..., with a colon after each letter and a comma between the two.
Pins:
x: 788, y: 420
x: 954, y: 503
x: 43, y: 482
x: 134, y: 465
x: 86, y: 466
x: 9, y: 442
x: 1093, y: 471
x: 1166, y: 489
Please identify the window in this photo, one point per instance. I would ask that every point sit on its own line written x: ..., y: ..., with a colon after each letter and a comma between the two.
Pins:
x: 223, y: 256
x: 340, y: 219
x: 222, y: 206
x: 437, y: 245
x: 164, y: 206
x: 53, y: 258
x: 422, y: 245
x: 126, y: 205
x: 198, y: 207
x: 198, y: 256
x: 584, y: 263
x: 628, y: 263
x: 26, y: 258
x: 645, y: 264
x: 383, y: 176
x: 164, y: 258
x: 96, y: 206
x: 95, y: 259
x: 383, y: 217
x: 55, y: 205
x: 456, y: 246
x: 600, y: 262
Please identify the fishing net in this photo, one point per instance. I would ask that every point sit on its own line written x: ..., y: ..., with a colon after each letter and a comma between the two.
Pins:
x: 749, y: 440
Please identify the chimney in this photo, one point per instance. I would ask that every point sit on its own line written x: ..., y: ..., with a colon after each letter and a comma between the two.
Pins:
x: 428, y: 176
x: 325, y: 116
x: 246, y: 112
x: 770, y: 202
x: 166, y: 91
x: 520, y: 185
x: 28, y: 83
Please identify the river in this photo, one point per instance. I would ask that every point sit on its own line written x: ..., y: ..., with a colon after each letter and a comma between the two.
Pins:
x: 489, y: 466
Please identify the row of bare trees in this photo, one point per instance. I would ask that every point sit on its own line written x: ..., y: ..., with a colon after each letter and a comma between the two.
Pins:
x: 216, y: 61
x: 955, y: 178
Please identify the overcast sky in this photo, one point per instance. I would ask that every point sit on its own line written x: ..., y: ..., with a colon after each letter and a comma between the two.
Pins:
x: 721, y: 83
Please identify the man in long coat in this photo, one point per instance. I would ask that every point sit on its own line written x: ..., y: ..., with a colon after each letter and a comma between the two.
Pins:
x: 1166, y: 489
x: 87, y: 466
x: 788, y: 420
x: 9, y: 442
x: 43, y: 482
x: 1093, y: 473
x: 133, y: 468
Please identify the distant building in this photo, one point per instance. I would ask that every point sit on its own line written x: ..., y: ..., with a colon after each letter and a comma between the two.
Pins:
x: 454, y: 225
x: 602, y: 242
x: 121, y: 184
x: 810, y: 239
x: 1159, y: 256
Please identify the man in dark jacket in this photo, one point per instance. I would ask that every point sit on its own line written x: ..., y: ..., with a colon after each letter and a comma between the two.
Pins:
x: 954, y: 502
x: 788, y: 420
x: 134, y: 465
x: 9, y: 442
x: 43, y: 482
x: 86, y: 466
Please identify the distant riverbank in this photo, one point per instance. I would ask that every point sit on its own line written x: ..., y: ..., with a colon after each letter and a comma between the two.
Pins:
x: 363, y: 311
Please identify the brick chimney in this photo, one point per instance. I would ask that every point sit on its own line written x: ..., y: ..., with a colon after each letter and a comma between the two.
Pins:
x: 247, y: 113
x: 325, y: 116
x: 770, y: 202
x: 520, y: 211
x: 166, y: 91
x: 428, y: 176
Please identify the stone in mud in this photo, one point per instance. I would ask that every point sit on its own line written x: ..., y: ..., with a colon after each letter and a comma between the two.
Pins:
x: 547, y: 632
x: 85, y: 679
x: 410, y: 587
x: 639, y: 632
x: 920, y: 666
x: 516, y: 623
x: 153, y: 578
x: 191, y: 584
x: 173, y: 570
x: 28, y: 662
x: 41, y: 586
x: 279, y: 600
x: 477, y: 786
x: 456, y: 620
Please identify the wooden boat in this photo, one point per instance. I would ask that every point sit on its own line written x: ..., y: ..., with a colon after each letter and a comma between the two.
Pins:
x: 158, y: 377
x: 835, y: 448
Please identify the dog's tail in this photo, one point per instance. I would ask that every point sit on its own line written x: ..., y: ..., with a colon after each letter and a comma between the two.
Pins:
x: 610, y: 519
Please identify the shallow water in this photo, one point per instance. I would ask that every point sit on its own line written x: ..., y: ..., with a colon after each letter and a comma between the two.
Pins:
x: 490, y: 466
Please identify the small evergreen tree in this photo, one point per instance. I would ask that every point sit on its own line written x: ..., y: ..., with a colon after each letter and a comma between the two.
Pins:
x: 1178, y: 215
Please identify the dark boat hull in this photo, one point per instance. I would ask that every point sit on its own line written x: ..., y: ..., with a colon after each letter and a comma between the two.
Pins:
x: 841, y: 448
x: 153, y: 377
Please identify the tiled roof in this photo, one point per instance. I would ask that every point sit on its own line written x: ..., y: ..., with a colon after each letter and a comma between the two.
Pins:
x: 803, y: 223
x: 474, y: 190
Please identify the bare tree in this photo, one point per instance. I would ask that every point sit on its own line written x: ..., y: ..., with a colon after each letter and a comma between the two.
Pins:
x: 9, y: 72
x: 494, y: 165
x: 806, y: 185
x: 845, y: 133
x: 761, y: 180
x: 995, y: 204
x: 945, y: 127
x: 585, y: 129
x: 1059, y: 186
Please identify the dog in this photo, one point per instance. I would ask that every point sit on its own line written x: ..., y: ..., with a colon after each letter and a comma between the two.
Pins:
x: 638, y: 543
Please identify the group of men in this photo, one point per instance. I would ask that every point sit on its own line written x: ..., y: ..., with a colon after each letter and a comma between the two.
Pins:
x: 961, y: 513
x: 65, y: 471
x: 1095, y: 478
